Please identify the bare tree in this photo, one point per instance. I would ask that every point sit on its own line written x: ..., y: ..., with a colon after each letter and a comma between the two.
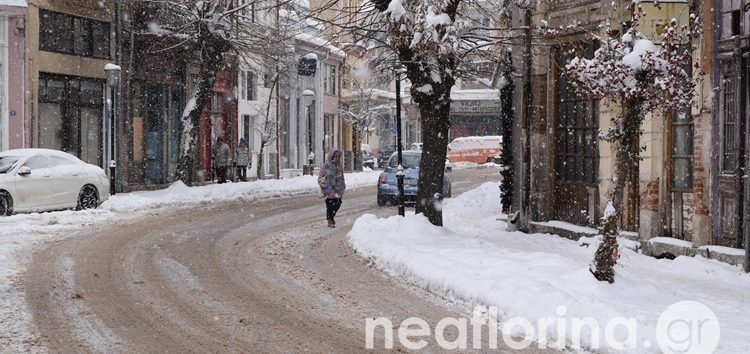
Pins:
x: 363, y: 108
x: 433, y: 41
x: 642, y: 78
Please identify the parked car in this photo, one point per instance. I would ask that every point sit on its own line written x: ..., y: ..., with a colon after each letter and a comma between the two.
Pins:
x: 477, y: 149
x: 387, y: 183
x: 34, y: 180
x: 385, y: 154
x: 367, y: 159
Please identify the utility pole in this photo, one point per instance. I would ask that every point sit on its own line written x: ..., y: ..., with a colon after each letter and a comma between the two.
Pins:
x: 525, y: 168
x: 399, y: 148
x: 746, y: 224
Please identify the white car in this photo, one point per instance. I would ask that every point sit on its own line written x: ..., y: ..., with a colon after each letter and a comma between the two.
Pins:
x: 33, y: 180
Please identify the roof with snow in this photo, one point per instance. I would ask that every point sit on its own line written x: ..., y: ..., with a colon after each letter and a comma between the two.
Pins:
x: 476, y: 94
x: 319, y: 42
x: 17, y: 3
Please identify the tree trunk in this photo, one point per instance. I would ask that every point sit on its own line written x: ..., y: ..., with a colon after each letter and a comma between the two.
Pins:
x: 626, y: 154
x: 506, y: 155
x: 190, y: 122
x: 435, y: 127
x: 356, y: 148
x: 260, y: 173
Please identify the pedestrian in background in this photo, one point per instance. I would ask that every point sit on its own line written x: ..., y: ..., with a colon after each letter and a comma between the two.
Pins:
x: 331, y: 181
x: 222, y: 158
x: 242, y: 159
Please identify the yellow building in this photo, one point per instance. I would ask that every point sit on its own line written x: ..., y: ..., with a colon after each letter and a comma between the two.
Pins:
x: 69, y: 43
x: 564, y: 171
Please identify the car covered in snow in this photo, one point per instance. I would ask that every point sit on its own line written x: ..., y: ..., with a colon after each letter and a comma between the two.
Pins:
x: 476, y: 149
x: 387, y: 183
x: 34, y: 180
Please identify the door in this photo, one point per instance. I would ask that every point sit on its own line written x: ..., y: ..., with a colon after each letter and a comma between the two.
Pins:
x: 68, y: 180
x: 175, y: 114
x: 154, y: 133
x: 36, y: 190
x: 576, y: 148
x: 732, y: 158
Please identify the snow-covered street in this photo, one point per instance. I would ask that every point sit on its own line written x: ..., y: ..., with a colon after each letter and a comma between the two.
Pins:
x: 251, y: 265
x: 263, y: 275
x: 21, y: 234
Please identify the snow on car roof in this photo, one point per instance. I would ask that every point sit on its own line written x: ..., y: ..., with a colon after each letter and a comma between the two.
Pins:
x: 32, y: 152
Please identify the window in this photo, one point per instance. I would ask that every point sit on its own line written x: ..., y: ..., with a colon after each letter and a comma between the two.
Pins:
x: 250, y: 86
x: 7, y: 162
x: 682, y: 150
x: 346, y: 77
x: 70, y: 115
x: 68, y: 34
x: 267, y: 80
x: 731, y: 18
x: 329, y: 131
x: 284, y: 134
x: 39, y: 162
x: 246, y: 129
x: 576, y: 130
x: 243, y: 86
x: 45, y: 161
x: 329, y: 83
x: 730, y: 124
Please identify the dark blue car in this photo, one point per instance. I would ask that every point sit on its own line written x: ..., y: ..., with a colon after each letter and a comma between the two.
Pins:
x: 387, y: 187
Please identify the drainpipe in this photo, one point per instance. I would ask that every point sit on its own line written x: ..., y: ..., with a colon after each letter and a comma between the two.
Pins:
x: 116, y: 104
x: 278, y: 92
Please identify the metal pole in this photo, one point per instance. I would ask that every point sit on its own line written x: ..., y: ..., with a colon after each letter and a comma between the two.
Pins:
x: 116, y: 101
x: 400, y: 173
x: 107, y: 130
x: 746, y: 224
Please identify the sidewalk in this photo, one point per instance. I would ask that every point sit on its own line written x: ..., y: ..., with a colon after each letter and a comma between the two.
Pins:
x: 541, y: 276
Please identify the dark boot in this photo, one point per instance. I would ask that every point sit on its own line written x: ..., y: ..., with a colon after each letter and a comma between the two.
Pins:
x: 331, y: 223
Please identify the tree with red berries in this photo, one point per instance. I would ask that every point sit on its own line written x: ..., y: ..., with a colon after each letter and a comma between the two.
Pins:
x: 643, y: 78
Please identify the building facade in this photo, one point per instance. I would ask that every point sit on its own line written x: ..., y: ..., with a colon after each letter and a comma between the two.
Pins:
x: 155, y: 86
x: 731, y: 122
x: 13, y: 62
x: 68, y: 43
x: 563, y: 169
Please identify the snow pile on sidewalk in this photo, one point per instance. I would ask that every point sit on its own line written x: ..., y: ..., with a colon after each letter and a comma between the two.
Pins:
x: 19, y: 234
x: 178, y: 194
x: 530, y: 276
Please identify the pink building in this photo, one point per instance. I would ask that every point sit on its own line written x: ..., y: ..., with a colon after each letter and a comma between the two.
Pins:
x: 13, y: 122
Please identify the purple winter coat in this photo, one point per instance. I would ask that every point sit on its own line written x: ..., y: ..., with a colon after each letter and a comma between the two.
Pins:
x: 331, y: 177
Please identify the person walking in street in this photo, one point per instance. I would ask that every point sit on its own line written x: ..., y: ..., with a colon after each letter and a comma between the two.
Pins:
x: 242, y: 160
x: 331, y: 181
x: 222, y: 158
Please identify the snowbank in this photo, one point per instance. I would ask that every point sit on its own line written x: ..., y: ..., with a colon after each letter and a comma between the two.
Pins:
x: 536, y: 276
x: 178, y: 194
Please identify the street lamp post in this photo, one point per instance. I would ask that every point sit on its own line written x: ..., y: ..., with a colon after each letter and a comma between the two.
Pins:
x: 110, y: 124
x: 310, y: 168
x: 399, y: 148
x: 747, y: 215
